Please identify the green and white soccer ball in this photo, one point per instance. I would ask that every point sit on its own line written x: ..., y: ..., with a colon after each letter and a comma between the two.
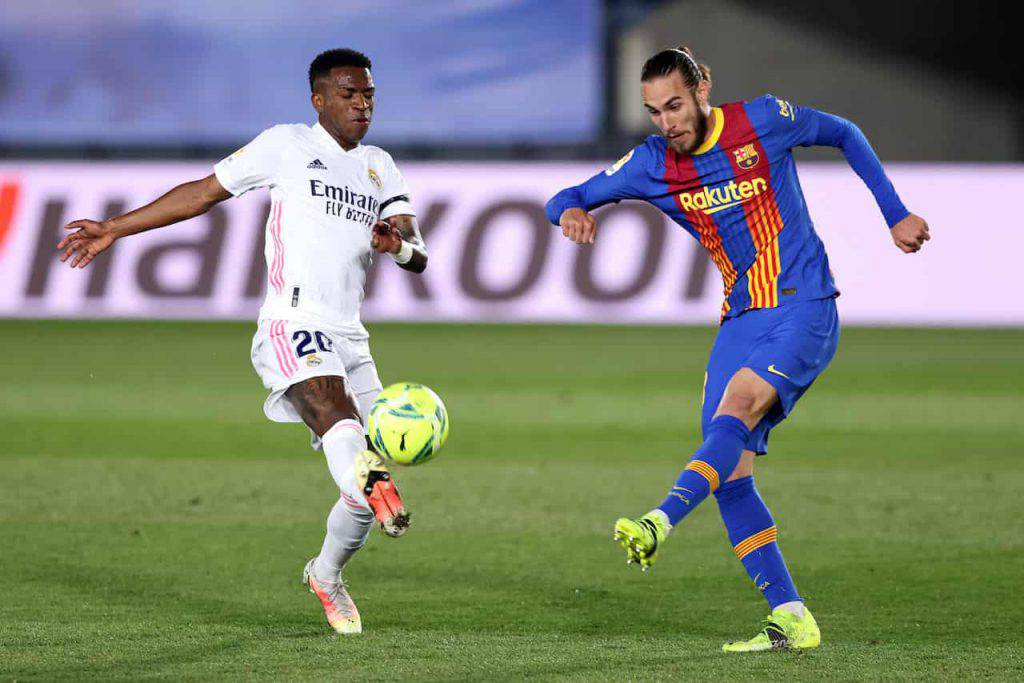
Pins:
x: 408, y: 423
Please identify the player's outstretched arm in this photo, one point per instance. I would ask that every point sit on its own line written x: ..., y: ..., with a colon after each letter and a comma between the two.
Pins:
x: 400, y: 236
x: 909, y: 232
x: 570, y: 208
x: 91, y: 238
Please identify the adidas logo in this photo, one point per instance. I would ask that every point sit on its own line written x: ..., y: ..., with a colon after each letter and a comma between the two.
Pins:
x: 316, y: 165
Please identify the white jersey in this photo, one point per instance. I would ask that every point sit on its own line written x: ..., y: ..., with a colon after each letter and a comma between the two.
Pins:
x: 324, y: 203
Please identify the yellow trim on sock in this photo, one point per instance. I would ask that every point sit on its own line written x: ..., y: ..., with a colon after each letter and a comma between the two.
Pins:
x: 705, y: 470
x: 755, y: 541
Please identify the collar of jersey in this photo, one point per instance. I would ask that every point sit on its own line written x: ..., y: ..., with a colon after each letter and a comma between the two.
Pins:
x: 716, y: 132
x: 322, y: 132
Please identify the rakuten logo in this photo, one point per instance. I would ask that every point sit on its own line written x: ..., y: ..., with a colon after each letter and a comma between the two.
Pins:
x: 712, y: 199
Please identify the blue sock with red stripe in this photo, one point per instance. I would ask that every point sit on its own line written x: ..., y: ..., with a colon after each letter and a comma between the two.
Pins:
x: 753, y: 536
x: 713, y: 462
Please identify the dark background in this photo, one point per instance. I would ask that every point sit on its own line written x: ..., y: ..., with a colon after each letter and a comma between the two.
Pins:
x: 927, y: 81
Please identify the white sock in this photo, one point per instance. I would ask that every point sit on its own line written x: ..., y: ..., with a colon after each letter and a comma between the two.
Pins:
x: 342, y: 443
x: 350, y: 520
x: 793, y: 606
x: 658, y: 512
x: 347, y: 531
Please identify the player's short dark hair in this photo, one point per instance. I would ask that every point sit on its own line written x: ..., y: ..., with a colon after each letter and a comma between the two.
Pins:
x: 679, y: 59
x: 331, y: 59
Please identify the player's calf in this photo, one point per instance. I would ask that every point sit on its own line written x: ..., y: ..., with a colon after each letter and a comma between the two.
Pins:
x: 328, y: 407
x: 363, y: 478
x: 711, y: 465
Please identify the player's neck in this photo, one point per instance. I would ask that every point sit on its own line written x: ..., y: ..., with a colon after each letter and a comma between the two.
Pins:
x: 710, y: 118
x: 342, y: 142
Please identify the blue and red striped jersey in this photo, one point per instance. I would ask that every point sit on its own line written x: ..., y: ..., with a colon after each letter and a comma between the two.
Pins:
x: 740, y: 196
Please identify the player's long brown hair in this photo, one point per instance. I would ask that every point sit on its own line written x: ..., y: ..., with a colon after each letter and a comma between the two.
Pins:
x: 679, y: 59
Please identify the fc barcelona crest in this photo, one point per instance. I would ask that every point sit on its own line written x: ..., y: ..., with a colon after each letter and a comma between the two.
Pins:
x: 746, y: 156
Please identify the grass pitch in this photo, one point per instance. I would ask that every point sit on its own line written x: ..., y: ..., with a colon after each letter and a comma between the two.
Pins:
x: 153, y: 524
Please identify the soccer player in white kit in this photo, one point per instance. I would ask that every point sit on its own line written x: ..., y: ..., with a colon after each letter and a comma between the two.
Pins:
x: 334, y: 202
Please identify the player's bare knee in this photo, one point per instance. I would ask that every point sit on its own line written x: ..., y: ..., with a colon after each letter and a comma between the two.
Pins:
x: 747, y: 397
x: 744, y: 407
x: 322, y: 402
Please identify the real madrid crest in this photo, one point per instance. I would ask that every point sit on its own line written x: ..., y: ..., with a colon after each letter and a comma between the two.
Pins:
x: 746, y: 156
x: 374, y: 178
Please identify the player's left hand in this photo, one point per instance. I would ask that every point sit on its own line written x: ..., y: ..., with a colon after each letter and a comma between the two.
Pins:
x: 387, y: 239
x: 910, y: 234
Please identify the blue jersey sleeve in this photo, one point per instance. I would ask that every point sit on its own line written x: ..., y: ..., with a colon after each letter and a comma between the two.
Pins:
x: 806, y: 127
x: 623, y: 180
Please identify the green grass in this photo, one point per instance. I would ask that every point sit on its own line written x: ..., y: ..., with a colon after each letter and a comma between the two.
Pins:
x: 154, y: 525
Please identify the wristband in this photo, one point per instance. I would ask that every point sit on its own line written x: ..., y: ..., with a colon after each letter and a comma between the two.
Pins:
x: 404, y: 255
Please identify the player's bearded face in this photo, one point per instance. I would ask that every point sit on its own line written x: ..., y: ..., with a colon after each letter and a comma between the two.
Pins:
x: 680, y: 113
x: 344, y: 101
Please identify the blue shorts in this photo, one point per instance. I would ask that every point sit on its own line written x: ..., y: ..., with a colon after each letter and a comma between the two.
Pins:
x: 788, y: 346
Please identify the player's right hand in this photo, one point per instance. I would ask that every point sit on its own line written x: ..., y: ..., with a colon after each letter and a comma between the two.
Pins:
x: 88, y: 239
x: 578, y: 225
x: 386, y: 238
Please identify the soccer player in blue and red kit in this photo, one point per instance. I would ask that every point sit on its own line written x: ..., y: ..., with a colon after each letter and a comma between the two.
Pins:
x: 727, y: 176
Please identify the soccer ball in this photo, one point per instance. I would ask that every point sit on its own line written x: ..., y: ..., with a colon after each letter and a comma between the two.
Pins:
x: 408, y: 423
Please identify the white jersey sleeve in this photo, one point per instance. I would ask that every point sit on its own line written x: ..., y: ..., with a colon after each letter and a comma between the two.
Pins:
x: 394, y: 191
x: 256, y: 164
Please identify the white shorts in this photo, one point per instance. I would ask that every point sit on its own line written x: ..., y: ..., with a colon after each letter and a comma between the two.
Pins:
x: 286, y: 353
